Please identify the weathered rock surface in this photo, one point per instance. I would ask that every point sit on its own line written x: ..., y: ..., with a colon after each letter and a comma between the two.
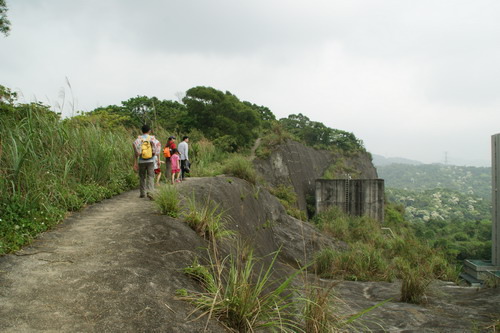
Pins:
x: 260, y: 219
x: 298, y: 165
x: 116, y: 266
x: 449, y: 308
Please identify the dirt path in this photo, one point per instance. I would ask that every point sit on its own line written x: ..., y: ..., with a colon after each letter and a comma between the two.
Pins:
x: 114, y: 267
x: 254, y: 148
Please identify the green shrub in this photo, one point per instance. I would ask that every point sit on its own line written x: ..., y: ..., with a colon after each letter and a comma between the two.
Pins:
x: 288, y: 198
x: 273, y: 137
x: 334, y: 222
x: 240, y: 167
x: 166, y: 198
x: 339, y: 170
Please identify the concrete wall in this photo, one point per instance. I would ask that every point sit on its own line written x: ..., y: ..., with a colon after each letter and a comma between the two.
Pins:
x: 355, y: 196
x: 495, y: 197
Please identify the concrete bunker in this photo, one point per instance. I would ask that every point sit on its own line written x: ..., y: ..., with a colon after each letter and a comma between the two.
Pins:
x: 354, y: 196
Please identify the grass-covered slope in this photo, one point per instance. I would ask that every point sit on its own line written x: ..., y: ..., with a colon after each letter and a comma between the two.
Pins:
x: 49, y: 167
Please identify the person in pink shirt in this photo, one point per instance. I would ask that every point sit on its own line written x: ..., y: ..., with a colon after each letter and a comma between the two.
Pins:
x: 176, y: 166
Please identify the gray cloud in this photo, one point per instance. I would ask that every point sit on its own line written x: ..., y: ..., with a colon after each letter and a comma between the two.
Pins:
x: 411, y: 78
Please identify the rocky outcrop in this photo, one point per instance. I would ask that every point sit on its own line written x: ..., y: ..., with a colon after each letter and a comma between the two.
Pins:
x: 117, y: 265
x: 298, y: 165
x: 448, y: 308
x: 260, y: 219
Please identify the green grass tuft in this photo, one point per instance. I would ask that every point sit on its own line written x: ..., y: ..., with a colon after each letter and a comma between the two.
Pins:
x: 239, y: 166
x: 166, y: 198
x: 243, y: 298
x: 207, y: 219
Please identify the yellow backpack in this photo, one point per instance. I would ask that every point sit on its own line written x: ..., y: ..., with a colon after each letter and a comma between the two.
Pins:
x: 146, y: 148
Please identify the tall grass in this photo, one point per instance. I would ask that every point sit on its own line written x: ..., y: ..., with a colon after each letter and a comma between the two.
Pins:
x: 361, y: 262
x: 373, y: 255
x: 207, y: 219
x: 166, y: 198
x: 49, y: 166
x: 248, y: 296
x: 319, y: 314
x: 244, y: 300
x: 240, y: 167
x: 207, y: 158
x: 415, y: 281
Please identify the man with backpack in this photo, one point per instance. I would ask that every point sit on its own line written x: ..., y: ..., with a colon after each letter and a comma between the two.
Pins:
x: 145, y: 148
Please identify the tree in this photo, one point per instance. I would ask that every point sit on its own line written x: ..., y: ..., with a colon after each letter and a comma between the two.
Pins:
x: 217, y: 114
x: 318, y: 135
x: 266, y: 116
x: 4, y: 22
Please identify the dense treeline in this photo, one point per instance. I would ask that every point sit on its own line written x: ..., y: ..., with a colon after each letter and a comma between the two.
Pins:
x: 49, y: 166
x: 222, y: 118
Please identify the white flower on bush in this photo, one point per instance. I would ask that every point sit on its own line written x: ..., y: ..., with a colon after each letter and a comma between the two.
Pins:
x: 436, y: 215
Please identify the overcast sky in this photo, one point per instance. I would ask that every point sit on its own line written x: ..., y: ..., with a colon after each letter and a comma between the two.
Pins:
x: 414, y: 79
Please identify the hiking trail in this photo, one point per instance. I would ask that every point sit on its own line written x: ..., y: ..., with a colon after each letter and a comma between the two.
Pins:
x: 111, y: 267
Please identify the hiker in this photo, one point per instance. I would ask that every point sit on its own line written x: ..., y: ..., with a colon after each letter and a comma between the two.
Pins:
x: 167, y: 153
x: 183, y: 151
x: 145, y: 148
x: 176, y: 166
x: 158, y: 164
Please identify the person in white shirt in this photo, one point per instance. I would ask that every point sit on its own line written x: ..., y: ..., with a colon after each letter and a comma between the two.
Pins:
x: 183, y: 149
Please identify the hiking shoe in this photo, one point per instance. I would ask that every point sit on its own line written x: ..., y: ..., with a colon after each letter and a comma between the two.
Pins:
x: 150, y: 196
x: 142, y: 196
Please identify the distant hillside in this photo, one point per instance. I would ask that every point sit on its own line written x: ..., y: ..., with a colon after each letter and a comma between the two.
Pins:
x: 473, y: 181
x: 450, y: 206
x: 379, y: 160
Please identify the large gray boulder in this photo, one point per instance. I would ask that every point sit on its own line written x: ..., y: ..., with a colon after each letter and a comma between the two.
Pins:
x: 295, y: 164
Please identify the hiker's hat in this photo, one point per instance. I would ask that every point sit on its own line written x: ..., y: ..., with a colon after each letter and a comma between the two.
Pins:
x: 172, y: 137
